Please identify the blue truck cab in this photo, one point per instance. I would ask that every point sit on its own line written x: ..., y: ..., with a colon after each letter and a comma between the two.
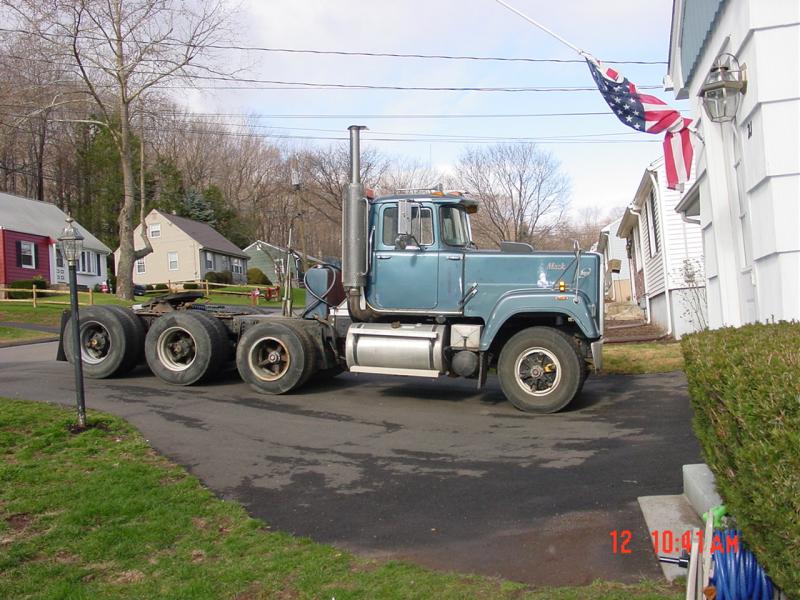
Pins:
x: 434, y: 303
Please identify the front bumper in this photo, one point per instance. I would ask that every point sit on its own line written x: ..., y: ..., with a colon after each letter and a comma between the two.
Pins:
x: 597, y: 354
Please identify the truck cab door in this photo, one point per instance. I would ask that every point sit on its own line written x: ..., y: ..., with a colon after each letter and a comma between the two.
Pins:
x: 404, y: 278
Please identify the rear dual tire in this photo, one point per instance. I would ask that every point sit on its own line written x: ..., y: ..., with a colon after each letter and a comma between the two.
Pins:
x: 276, y: 357
x: 187, y: 347
x: 111, y: 341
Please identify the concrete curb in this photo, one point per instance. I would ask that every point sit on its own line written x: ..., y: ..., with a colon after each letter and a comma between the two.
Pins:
x: 28, y: 342
x: 680, y: 513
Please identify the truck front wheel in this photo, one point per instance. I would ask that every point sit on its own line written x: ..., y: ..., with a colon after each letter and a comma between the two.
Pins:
x: 539, y: 370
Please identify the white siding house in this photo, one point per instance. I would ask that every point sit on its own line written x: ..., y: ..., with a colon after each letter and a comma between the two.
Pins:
x: 618, y: 284
x: 666, y: 256
x: 747, y: 196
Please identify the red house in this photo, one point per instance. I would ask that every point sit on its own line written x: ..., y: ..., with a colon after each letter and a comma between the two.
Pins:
x: 29, y: 232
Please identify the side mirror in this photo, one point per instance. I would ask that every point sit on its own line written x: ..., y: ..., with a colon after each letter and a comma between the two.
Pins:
x: 405, y: 225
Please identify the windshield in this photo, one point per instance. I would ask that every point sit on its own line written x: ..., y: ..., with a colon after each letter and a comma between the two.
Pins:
x: 455, y: 226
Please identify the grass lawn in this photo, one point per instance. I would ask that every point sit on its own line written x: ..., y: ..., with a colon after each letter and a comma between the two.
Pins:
x: 650, y: 357
x: 15, y: 334
x: 100, y: 515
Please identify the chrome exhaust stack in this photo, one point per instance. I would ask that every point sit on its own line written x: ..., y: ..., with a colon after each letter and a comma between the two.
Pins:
x: 355, y: 244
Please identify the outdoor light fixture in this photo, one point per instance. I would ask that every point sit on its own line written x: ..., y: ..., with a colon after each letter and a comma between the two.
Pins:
x: 723, y: 88
x: 71, y: 242
x: 71, y: 245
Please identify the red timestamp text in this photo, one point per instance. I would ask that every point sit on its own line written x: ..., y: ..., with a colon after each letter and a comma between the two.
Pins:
x: 668, y: 542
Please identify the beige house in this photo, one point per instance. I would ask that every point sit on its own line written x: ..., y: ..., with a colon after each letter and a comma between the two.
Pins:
x: 184, y: 250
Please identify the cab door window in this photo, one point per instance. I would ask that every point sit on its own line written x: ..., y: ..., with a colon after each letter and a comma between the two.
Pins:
x: 421, y: 225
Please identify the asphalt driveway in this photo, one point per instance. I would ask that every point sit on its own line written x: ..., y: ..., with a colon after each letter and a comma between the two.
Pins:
x: 431, y: 471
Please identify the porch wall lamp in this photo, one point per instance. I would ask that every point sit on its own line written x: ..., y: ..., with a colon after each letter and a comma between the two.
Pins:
x: 723, y: 88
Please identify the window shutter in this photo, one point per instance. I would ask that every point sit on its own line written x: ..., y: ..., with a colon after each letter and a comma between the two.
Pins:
x: 35, y: 256
x: 98, y: 264
x: 18, y: 245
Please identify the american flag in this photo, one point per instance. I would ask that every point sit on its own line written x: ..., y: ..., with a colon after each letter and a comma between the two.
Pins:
x: 649, y: 114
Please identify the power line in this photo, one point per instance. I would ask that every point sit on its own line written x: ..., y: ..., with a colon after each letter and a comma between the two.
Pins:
x: 373, y: 54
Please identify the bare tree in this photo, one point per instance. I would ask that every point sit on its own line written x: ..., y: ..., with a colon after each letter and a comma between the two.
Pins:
x: 119, y: 50
x: 406, y: 175
x: 523, y: 192
x: 326, y: 171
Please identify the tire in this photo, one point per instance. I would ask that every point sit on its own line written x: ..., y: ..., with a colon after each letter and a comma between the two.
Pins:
x: 111, y: 339
x: 186, y: 347
x: 541, y: 358
x: 275, y: 358
x: 138, y: 332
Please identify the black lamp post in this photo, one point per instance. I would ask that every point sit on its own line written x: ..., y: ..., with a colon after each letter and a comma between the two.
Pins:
x: 71, y: 244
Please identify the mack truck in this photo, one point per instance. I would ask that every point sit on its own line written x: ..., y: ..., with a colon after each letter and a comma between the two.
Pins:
x: 414, y: 297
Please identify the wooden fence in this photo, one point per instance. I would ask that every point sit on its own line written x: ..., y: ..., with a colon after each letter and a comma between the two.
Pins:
x: 39, y: 296
x: 47, y: 296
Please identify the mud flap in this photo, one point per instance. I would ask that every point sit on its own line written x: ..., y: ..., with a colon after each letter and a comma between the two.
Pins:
x: 60, y: 354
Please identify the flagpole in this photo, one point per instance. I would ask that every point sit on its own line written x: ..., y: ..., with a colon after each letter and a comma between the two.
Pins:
x: 540, y: 26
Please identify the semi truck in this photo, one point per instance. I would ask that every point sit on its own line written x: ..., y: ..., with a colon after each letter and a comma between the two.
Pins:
x: 414, y: 297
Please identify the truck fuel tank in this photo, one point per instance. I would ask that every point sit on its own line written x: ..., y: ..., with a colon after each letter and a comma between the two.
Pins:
x: 396, y: 349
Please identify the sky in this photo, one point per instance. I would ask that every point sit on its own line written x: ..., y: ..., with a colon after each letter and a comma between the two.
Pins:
x: 605, y: 162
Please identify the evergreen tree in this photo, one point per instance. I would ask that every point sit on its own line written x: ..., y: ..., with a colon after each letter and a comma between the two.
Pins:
x: 198, y: 208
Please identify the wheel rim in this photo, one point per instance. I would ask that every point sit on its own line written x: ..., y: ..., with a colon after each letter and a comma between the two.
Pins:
x: 537, y: 371
x: 176, y: 349
x: 269, y: 359
x: 95, y: 343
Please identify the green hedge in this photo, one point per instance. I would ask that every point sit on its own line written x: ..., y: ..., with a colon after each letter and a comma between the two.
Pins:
x: 26, y: 284
x: 191, y: 286
x: 219, y: 277
x: 745, y: 388
x: 256, y: 276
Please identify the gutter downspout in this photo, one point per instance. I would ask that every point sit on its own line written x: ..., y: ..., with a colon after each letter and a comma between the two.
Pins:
x: 689, y: 220
x: 667, y: 295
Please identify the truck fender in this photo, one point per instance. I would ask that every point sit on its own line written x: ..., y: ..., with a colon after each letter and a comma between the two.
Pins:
x: 518, y: 302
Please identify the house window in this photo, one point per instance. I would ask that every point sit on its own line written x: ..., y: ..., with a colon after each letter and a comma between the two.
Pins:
x: 155, y: 230
x: 653, y: 230
x: 140, y: 268
x: 89, y: 263
x: 209, y: 261
x: 59, y: 259
x: 27, y: 255
x: 237, y: 266
x: 172, y: 258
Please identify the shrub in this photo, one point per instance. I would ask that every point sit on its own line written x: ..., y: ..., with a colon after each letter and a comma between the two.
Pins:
x: 26, y: 284
x: 745, y: 389
x: 190, y: 286
x: 97, y: 289
x: 160, y: 286
x: 256, y: 276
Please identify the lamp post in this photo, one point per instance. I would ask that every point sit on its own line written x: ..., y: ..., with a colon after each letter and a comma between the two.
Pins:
x: 71, y: 244
x: 723, y: 88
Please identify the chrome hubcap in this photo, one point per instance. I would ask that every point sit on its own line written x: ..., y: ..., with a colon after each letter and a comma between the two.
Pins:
x: 537, y: 371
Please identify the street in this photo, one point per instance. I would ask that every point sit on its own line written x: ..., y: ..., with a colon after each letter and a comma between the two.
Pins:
x: 434, y: 472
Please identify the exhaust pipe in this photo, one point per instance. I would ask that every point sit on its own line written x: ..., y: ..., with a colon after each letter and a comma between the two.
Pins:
x: 354, y: 219
x: 355, y: 244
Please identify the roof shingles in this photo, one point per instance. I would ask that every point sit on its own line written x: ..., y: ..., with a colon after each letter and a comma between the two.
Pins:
x: 205, y: 235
